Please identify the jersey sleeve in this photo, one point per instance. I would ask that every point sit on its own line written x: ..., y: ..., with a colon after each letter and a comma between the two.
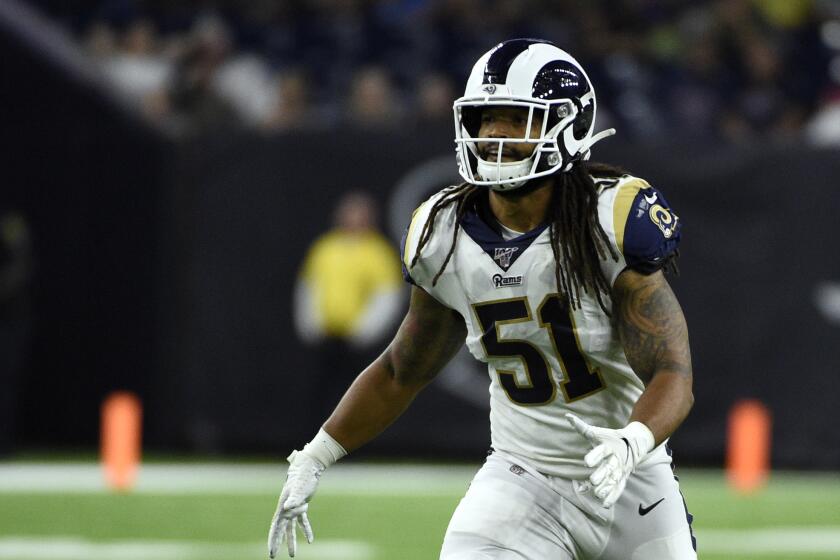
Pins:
x: 422, y: 270
x: 406, y: 255
x: 647, y: 231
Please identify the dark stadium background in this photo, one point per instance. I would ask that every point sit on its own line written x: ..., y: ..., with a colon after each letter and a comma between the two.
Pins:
x: 168, y: 224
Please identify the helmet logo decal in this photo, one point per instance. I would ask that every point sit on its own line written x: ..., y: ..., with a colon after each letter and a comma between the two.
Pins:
x: 491, y: 89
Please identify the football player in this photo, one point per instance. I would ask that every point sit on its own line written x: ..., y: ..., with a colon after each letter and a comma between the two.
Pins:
x: 551, y: 268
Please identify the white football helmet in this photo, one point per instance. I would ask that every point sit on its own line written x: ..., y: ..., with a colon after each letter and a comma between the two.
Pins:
x: 537, y: 75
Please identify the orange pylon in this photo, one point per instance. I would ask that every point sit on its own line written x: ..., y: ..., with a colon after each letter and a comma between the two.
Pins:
x: 121, y: 439
x: 748, y: 451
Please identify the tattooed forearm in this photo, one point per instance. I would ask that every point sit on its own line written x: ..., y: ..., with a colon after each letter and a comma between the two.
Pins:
x: 651, y: 325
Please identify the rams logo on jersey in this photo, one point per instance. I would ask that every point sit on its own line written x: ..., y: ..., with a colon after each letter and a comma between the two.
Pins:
x: 664, y: 220
x: 504, y: 281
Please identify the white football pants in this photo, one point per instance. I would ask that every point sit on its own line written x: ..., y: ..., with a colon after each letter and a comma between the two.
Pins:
x: 512, y: 512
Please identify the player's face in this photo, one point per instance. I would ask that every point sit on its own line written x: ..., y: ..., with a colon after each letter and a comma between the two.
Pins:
x: 507, y: 122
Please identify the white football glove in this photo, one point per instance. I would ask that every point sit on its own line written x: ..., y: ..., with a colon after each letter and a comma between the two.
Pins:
x: 305, y: 470
x: 301, y: 483
x: 615, y: 455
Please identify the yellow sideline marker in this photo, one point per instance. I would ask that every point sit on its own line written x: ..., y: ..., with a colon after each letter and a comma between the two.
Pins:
x: 748, y: 452
x: 121, y: 439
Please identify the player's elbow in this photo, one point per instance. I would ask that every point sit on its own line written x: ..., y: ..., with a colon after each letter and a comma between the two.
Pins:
x: 687, y: 398
x: 412, y: 379
x: 402, y: 376
x: 689, y: 401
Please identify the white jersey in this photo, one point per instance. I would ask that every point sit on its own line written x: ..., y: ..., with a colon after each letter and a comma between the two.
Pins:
x: 544, y: 359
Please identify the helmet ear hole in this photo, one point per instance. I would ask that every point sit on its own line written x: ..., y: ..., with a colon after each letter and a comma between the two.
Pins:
x: 557, y: 113
x: 583, y: 122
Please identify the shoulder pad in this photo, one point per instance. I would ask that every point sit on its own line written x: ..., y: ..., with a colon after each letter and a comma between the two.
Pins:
x: 404, y: 258
x: 647, y: 231
x: 411, y: 238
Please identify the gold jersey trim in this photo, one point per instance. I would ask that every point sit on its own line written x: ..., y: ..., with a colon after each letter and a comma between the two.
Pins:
x: 409, y: 239
x: 621, y: 207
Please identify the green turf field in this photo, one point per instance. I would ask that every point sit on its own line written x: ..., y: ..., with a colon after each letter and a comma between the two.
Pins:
x: 220, y: 512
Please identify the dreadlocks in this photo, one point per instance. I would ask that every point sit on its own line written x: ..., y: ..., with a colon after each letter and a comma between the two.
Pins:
x: 577, y: 239
x: 462, y: 195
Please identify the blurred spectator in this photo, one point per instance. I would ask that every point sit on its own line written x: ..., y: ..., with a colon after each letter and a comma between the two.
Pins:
x: 788, y: 14
x: 347, y: 297
x: 762, y: 105
x: 246, y: 82
x: 699, y: 84
x: 660, y: 67
x: 373, y: 100
x: 15, y: 277
x: 292, y: 107
x: 242, y: 79
x: 824, y: 128
x: 138, y: 68
x: 350, y: 280
x: 435, y: 94
x: 194, y: 99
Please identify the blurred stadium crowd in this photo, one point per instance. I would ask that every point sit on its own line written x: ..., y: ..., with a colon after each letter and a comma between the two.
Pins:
x: 726, y: 70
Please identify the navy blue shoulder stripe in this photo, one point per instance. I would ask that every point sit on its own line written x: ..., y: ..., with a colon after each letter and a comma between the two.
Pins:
x: 496, y: 69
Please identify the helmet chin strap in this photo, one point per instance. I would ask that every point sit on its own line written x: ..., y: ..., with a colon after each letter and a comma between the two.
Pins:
x: 504, y: 171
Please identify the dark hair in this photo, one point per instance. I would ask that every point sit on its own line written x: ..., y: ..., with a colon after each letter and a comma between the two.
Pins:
x: 577, y: 238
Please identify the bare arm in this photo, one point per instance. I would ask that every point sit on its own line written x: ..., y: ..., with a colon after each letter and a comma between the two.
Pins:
x: 655, y: 338
x: 429, y: 336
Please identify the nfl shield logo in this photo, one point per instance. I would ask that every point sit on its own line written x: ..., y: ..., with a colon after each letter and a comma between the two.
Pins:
x: 502, y: 255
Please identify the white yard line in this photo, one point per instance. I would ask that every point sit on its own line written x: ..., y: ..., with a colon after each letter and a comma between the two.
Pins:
x: 383, y: 479
x: 782, y: 541
x: 70, y: 548
x: 770, y: 541
x: 190, y: 478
